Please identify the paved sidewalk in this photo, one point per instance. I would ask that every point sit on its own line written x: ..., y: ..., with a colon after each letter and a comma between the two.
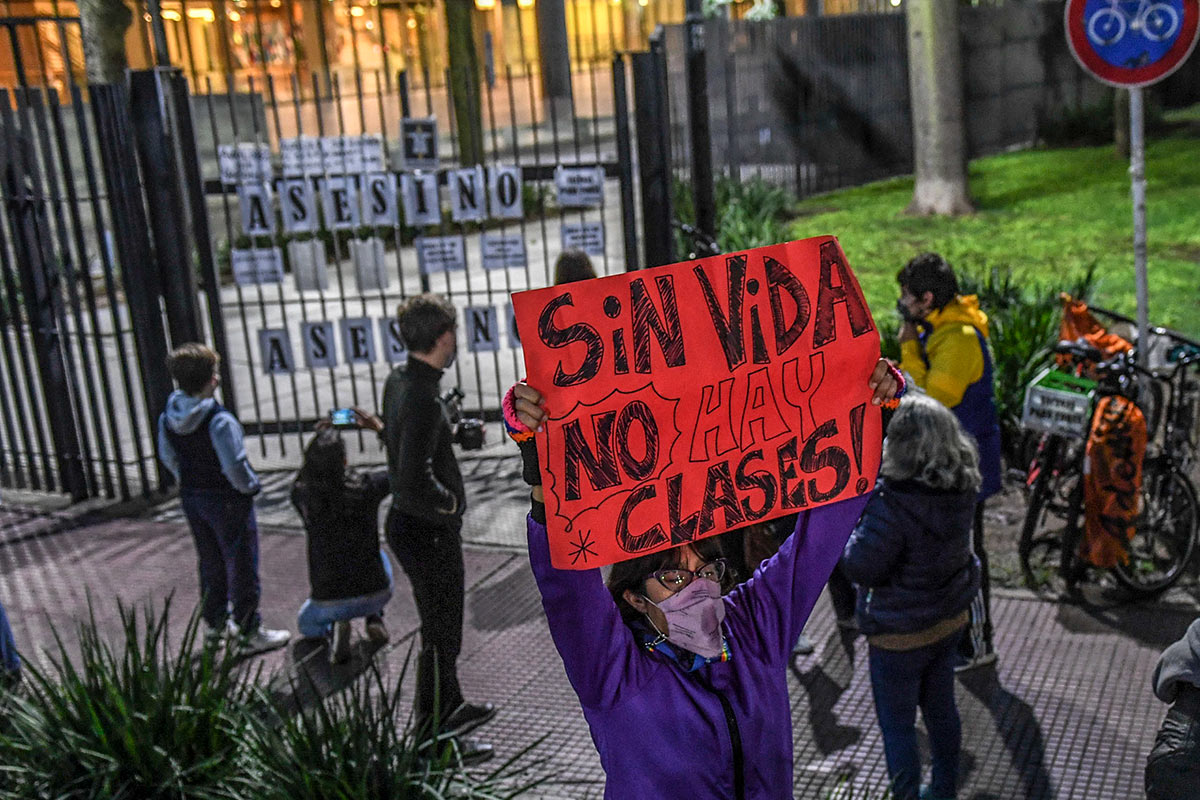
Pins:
x: 1069, y: 713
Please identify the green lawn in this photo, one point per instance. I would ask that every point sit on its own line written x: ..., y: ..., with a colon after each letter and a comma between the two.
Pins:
x: 1045, y: 214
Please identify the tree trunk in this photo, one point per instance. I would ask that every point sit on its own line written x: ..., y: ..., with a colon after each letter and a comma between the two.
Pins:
x: 103, y: 24
x: 464, y: 80
x: 935, y: 78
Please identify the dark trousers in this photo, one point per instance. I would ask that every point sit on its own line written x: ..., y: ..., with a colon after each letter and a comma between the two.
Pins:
x: 979, y: 632
x: 902, y: 680
x: 431, y: 556
x: 226, y: 536
x: 10, y: 662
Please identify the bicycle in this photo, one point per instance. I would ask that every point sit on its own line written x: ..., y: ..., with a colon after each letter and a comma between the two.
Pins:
x: 695, y: 242
x: 1156, y: 21
x: 1167, y: 524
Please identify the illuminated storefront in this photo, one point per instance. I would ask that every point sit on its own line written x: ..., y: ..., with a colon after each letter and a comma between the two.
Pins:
x: 297, y: 42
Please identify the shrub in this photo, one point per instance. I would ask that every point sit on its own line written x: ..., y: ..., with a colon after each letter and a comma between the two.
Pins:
x: 145, y: 721
x: 360, y: 745
x: 749, y: 213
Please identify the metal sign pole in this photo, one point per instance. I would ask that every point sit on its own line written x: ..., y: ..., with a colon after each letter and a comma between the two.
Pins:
x: 1137, y: 173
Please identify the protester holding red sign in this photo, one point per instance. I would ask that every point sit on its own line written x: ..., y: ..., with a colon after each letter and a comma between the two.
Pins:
x: 695, y: 422
x: 685, y: 691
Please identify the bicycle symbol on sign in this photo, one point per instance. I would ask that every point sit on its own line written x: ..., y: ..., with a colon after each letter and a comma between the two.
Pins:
x: 1155, y: 21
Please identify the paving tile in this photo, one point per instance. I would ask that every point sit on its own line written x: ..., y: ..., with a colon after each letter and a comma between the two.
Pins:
x: 1068, y: 713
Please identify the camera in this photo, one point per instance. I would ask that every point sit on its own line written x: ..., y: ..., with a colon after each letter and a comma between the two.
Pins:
x: 468, y: 431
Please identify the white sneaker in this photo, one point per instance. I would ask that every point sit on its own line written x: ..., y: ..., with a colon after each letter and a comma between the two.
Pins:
x: 981, y: 660
x: 264, y: 639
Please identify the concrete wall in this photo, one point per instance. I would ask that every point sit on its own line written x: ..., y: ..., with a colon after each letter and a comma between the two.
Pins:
x: 822, y: 102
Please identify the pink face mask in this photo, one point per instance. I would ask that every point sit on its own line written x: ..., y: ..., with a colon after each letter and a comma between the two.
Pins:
x: 694, y: 617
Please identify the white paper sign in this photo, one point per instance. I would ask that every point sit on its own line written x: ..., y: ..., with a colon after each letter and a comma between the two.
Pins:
x: 257, y: 265
x: 339, y: 194
x: 275, y: 351
x: 418, y: 143
x: 379, y: 199
x: 394, y: 350
x: 419, y: 193
x: 440, y: 253
x: 502, y: 250
x: 258, y: 213
x: 585, y: 236
x: 579, y: 187
x: 468, y: 198
x: 504, y: 192
x: 317, y: 342
x: 244, y: 162
x: 358, y: 340
x: 483, y: 330
x: 301, y: 156
x: 298, y: 205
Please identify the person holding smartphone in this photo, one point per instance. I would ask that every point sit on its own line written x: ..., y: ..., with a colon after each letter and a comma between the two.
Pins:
x: 350, y: 577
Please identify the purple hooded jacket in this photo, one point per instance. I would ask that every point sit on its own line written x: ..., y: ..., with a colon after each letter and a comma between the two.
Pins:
x: 662, y: 732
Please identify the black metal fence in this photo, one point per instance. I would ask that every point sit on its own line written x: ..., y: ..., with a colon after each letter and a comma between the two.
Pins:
x: 72, y: 417
x: 282, y: 221
x: 308, y: 302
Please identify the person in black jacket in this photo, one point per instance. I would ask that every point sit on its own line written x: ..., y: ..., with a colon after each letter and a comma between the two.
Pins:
x: 350, y: 577
x: 911, y: 557
x: 428, y: 500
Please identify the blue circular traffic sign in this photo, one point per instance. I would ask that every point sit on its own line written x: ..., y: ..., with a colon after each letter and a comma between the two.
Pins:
x: 1131, y: 43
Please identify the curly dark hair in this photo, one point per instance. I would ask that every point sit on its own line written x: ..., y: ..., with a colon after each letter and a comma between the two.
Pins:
x: 929, y: 272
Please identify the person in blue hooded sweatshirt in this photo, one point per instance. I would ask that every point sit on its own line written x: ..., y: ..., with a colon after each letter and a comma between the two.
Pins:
x: 200, y: 442
x: 910, y: 555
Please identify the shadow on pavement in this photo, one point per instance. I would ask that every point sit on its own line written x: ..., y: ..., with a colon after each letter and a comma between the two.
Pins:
x: 825, y: 684
x: 1154, y: 626
x: 511, y: 601
x: 1019, y: 729
x: 310, y: 677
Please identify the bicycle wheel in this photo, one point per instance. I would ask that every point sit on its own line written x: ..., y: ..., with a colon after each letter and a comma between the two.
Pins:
x: 1054, y: 502
x: 1159, y: 22
x: 1165, y: 535
x: 1106, y: 27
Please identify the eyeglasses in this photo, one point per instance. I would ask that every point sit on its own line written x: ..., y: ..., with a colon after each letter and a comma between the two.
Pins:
x: 676, y: 578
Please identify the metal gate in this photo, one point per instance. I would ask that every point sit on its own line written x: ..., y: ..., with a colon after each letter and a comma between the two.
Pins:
x: 73, y: 417
x: 282, y: 220
x: 330, y: 201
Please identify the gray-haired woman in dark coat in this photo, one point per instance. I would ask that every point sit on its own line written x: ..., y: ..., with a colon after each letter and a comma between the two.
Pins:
x: 910, y: 556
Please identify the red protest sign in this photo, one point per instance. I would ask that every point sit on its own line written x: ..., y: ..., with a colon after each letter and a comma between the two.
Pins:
x: 693, y: 398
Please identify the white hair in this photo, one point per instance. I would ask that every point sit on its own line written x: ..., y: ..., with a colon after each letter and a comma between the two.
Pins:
x: 925, y: 442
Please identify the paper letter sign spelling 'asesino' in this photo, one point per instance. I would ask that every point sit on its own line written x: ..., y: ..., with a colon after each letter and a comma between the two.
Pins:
x: 690, y: 399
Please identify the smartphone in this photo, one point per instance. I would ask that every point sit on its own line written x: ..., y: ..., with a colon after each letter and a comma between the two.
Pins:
x: 344, y: 418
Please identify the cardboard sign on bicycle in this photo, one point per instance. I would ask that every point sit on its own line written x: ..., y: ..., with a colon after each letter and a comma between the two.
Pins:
x: 693, y: 398
x: 1059, y: 403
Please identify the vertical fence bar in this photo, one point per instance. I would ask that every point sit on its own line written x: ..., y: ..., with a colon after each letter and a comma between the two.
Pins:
x: 624, y: 162
x: 113, y: 128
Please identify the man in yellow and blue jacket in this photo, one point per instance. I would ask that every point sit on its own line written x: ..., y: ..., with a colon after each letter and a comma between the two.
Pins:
x: 944, y: 348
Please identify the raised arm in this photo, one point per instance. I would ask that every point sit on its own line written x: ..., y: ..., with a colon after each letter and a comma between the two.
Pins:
x: 772, y: 607
x: 598, y: 652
